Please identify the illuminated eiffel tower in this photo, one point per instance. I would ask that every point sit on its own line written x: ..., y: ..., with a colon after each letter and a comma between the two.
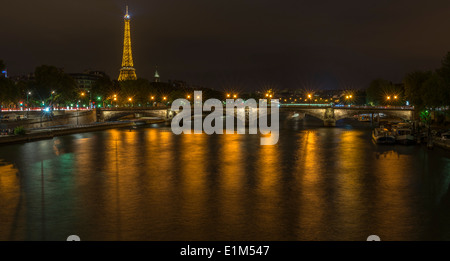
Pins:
x: 127, y: 72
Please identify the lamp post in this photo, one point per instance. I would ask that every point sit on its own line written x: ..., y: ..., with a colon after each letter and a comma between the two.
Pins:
x: 51, y: 96
x: 28, y: 106
x: 77, y: 111
x: 114, y: 100
x: 90, y: 98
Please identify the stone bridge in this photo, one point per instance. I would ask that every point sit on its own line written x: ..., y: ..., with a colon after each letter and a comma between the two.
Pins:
x: 330, y: 114
x: 161, y: 112
x: 117, y: 113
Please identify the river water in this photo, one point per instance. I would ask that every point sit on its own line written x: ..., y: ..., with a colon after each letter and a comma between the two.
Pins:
x: 148, y: 184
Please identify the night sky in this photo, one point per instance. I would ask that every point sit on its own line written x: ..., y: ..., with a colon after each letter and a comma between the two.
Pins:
x: 241, y: 44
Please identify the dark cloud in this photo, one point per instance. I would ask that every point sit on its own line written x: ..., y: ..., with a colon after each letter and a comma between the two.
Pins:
x: 246, y: 42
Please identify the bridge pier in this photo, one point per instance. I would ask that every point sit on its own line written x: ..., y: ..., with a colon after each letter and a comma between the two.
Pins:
x: 329, y: 119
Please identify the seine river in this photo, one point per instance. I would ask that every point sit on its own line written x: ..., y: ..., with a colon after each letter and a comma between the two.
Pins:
x: 148, y: 184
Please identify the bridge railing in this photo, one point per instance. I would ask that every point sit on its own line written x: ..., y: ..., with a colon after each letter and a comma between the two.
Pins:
x: 388, y: 107
x: 133, y: 108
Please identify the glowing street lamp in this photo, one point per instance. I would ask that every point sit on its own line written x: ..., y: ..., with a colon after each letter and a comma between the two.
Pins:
x: 235, y: 96
x: 115, y: 98
x: 28, y: 93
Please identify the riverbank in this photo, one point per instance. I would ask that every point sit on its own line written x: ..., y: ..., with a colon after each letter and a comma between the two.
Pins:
x: 49, y: 133
x: 443, y: 144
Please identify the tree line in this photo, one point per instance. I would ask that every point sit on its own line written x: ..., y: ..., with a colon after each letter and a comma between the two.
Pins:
x: 426, y: 90
x: 50, y: 86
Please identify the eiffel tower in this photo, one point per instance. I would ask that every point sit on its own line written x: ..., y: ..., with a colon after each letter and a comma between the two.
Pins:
x: 127, y: 72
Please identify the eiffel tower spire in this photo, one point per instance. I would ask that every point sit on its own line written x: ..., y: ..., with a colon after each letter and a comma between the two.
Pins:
x: 127, y: 72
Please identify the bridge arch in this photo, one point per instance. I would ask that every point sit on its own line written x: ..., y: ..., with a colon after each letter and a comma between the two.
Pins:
x: 332, y: 114
x: 111, y: 115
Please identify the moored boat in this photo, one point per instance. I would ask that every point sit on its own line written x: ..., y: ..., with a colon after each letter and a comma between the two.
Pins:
x: 383, y: 136
x: 404, y: 136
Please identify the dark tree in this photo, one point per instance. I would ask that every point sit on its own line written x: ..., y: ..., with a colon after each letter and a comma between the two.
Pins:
x: 54, y: 86
x: 414, y: 87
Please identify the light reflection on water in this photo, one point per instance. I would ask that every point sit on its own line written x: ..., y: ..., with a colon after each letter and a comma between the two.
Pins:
x: 148, y: 184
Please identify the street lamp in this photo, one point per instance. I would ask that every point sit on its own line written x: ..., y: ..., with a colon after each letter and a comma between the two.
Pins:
x: 28, y: 106
x: 51, y: 98
x: 77, y: 111
x: 348, y: 99
x: 115, y: 99
x: 90, y: 99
